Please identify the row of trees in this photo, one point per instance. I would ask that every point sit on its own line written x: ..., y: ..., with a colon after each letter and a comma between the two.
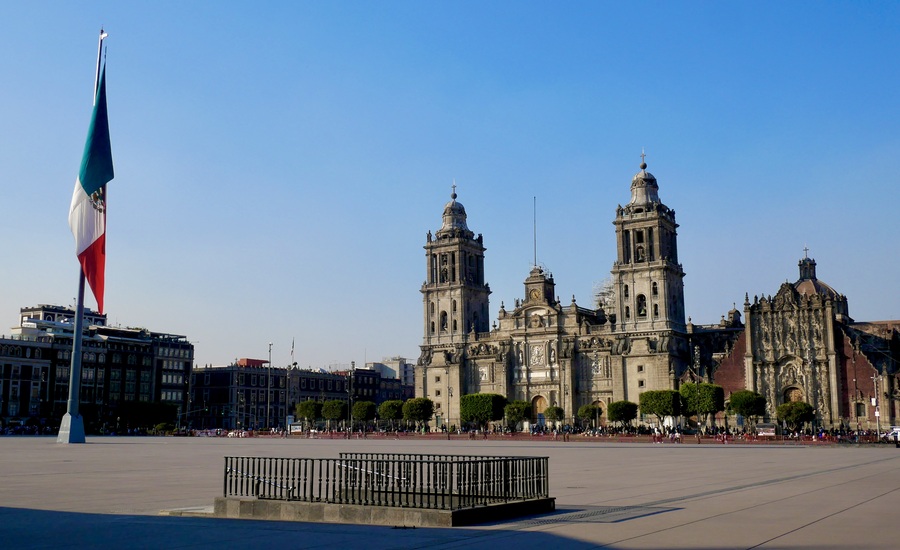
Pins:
x: 482, y: 408
x: 416, y: 410
x: 705, y: 400
x: 702, y: 400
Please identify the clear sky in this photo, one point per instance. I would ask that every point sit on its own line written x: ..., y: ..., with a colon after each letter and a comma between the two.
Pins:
x: 278, y: 164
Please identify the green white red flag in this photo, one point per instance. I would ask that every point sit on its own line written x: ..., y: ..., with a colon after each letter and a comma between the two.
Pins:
x: 87, y: 215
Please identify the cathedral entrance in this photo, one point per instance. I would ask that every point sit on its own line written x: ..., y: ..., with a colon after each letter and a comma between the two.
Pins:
x: 538, y: 406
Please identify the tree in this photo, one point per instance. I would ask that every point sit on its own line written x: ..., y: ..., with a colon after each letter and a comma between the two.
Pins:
x: 391, y: 410
x: 588, y: 413
x: 418, y: 410
x: 795, y: 414
x: 309, y: 411
x: 517, y: 411
x: 748, y: 404
x: 334, y: 410
x: 481, y: 408
x: 701, y: 399
x: 554, y: 413
x: 364, y: 411
x: 622, y: 411
x: 661, y: 403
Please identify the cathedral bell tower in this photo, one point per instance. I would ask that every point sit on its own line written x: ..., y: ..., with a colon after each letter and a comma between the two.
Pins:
x: 454, y: 294
x: 647, y: 277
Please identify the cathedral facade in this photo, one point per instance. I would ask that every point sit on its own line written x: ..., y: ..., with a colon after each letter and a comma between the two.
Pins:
x: 799, y: 345
x: 541, y: 350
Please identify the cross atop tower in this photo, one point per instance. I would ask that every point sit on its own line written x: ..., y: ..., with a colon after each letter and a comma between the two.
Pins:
x: 453, y: 194
x: 805, y: 252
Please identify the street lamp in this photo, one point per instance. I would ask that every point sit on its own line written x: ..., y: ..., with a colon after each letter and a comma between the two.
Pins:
x: 269, y: 390
x: 875, y: 401
x: 350, y: 397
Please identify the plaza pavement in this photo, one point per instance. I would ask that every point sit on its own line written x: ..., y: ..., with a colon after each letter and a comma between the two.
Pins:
x: 109, y: 492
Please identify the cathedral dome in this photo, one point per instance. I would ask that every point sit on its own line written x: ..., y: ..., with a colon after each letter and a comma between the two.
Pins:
x: 644, y: 189
x: 810, y: 285
x: 454, y: 215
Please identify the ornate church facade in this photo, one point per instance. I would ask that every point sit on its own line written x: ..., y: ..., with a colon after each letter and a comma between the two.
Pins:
x: 550, y: 354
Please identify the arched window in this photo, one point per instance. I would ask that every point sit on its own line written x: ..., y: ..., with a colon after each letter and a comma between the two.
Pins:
x: 655, y: 289
x: 454, y: 325
x: 656, y: 310
x: 443, y: 321
x: 627, y: 312
x: 626, y: 291
x: 454, y: 306
x: 432, y: 327
x: 641, y: 305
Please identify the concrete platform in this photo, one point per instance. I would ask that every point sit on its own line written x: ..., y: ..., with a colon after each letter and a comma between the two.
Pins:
x: 109, y: 493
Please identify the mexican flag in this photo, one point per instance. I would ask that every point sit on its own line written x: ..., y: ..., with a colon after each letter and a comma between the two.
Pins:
x: 87, y: 215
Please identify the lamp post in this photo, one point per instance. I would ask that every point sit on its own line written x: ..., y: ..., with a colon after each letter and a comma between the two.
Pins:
x: 269, y: 390
x: 876, y: 401
x: 449, y: 407
x: 350, y: 397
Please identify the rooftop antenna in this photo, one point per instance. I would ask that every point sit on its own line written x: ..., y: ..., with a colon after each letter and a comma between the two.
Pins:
x: 534, y: 227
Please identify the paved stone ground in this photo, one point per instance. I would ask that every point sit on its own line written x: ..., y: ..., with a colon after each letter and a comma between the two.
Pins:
x: 108, y: 493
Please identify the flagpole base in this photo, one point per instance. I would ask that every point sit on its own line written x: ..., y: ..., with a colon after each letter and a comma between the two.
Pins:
x: 71, y: 430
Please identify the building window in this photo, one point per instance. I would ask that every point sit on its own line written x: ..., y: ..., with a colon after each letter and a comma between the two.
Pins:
x: 655, y: 289
x: 437, y: 379
x: 626, y: 291
x: 656, y: 310
x: 641, y: 305
x: 640, y: 383
x: 640, y: 368
x: 437, y: 393
x: 627, y: 312
x: 860, y: 409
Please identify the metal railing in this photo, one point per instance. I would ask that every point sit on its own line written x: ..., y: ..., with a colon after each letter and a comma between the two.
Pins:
x: 442, y: 482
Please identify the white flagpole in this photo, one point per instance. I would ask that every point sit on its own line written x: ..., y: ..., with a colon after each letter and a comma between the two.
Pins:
x: 71, y: 429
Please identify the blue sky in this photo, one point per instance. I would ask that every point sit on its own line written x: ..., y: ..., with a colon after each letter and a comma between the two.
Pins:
x: 279, y: 164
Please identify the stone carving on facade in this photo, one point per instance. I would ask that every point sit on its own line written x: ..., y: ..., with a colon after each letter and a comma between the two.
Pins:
x: 537, y: 355
x: 623, y: 346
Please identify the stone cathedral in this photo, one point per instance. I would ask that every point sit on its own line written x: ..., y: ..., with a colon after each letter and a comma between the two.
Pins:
x: 799, y: 345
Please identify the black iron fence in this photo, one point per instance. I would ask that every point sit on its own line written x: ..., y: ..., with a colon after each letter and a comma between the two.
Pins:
x: 443, y: 482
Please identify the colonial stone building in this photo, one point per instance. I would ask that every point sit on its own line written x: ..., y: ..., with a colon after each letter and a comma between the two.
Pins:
x: 802, y: 345
x: 799, y: 345
x: 541, y: 350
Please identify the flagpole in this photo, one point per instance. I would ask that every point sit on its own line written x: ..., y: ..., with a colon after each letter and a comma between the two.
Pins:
x: 71, y: 429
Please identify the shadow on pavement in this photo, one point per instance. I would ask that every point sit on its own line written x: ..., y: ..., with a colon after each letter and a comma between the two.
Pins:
x: 24, y: 528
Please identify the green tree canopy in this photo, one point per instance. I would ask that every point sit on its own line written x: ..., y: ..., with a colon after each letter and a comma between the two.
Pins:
x: 309, y: 410
x: 554, y: 413
x: 589, y: 412
x: 795, y: 414
x: 481, y: 408
x: 418, y: 409
x: 661, y: 403
x: 622, y: 411
x: 364, y: 411
x: 391, y: 410
x: 517, y: 411
x: 334, y: 410
x: 748, y: 404
x: 701, y: 399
